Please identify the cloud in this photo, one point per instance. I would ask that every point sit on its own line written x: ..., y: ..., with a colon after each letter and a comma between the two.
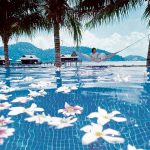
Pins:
x: 116, y: 42
x: 113, y: 43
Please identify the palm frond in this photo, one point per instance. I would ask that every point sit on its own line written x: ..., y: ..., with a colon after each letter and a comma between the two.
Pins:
x: 109, y: 11
x: 147, y: 13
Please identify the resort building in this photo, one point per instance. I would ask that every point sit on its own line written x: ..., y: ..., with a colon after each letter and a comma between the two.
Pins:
x: 29, y: 59
x: 69, y: 58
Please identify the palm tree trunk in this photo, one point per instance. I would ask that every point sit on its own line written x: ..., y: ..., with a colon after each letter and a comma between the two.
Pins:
x: 148, y: 55
x: 57, y: 44
x: 5, y: 39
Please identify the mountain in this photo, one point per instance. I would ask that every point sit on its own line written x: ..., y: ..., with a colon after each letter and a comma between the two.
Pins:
x: 134, y: 58
x: 24, y: 48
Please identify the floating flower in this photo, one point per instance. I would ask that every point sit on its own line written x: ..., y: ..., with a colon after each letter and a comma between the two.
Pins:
x: 22, y: 99
x: 130, y: 147
x: 104, y: 117
x: 95, y: 131
x: 4, y: 97
x: 40, y: 85
x: 7, y: 89
x: 4, y: 121
x: 66, y: 89
x: 5, y: 132
x: 70, y: 110
x: 16, y: 81
x: 35, y: 93
x: 60, y: 123
x: 5, y: 105
x: 2, y: 83
x: 30, y: 111
x: 39, y: 119
x: 74, y: 88
x: 28, y: 79
x: 120, y: 78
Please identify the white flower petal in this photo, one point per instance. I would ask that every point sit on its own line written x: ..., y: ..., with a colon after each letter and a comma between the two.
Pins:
x: 113, y: 140
x: 60, y: 110
x: 16, y: 111
x: 119, y: 119
x: 97, y: 127
x: 115, y: 113
x: 111, y: 132
x: 102, y: 120
x: 130, y: 147
x: 102, y: 112
x: 86, y: 128
x: 67, y: 105
x: 88, y: 138
x: 93, y: 115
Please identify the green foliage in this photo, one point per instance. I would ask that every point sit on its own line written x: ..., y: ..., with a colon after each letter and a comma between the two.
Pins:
x: 20, y: 16
x: 64, y: 13
x: 147, y: 13
x: 108, y: 11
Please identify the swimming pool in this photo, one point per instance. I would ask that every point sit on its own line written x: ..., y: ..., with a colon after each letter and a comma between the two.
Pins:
x: 125, y: 91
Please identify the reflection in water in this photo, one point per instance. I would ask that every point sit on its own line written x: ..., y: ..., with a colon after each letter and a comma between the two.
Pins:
x: 58, y: 79
x: 97, y: 88
x: 7, y: 76
x: 148, y: 75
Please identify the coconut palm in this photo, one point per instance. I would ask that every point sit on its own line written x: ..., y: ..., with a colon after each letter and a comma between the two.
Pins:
x: 148, y: 55
x: 61, y: 13
x: 18, y: 17
x: 106, y: 11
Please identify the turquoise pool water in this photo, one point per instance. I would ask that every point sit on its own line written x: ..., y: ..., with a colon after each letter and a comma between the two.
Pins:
x: 123, y: 89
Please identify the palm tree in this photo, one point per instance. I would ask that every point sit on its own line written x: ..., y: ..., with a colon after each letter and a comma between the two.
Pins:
x: 148, y: 55
x: 106, y: 11
x: 18, y: 17
x: 61, y: 13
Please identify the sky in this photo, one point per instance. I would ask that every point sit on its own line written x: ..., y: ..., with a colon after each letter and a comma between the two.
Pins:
x: 110, y: 37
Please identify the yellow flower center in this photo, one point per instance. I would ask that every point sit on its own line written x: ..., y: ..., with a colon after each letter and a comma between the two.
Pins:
x: 63, y: 121
x: 99, y: 134
x: 70, y: 109
x: 106, y: 117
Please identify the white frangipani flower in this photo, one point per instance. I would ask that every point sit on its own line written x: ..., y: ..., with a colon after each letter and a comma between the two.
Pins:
x: 95, y: 131
x: 120, y: 78
x: 74, y: 87
x: 41, y: 85
x: 16, y: 81
x: 104, y: 117
x: 2, y: 83
x: 4, y: 121
x: 7, y: 89
x: 4, y: 97
x: 4, y: 105
x: 130, y: 147
x: 66, y: 89
x: 39, y: 118
x: 60, y: 123
x: 35, y: 93
x: 70, y: 110
x: 28, y: 79
x: 1, y: 141
x: 22, y: 99
x: 30, y: 111
x: 5, y: 132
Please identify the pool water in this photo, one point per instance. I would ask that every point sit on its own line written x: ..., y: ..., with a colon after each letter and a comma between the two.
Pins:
x: 123, y: 89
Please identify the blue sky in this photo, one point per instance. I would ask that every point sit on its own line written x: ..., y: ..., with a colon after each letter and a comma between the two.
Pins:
x: 111, y: 37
